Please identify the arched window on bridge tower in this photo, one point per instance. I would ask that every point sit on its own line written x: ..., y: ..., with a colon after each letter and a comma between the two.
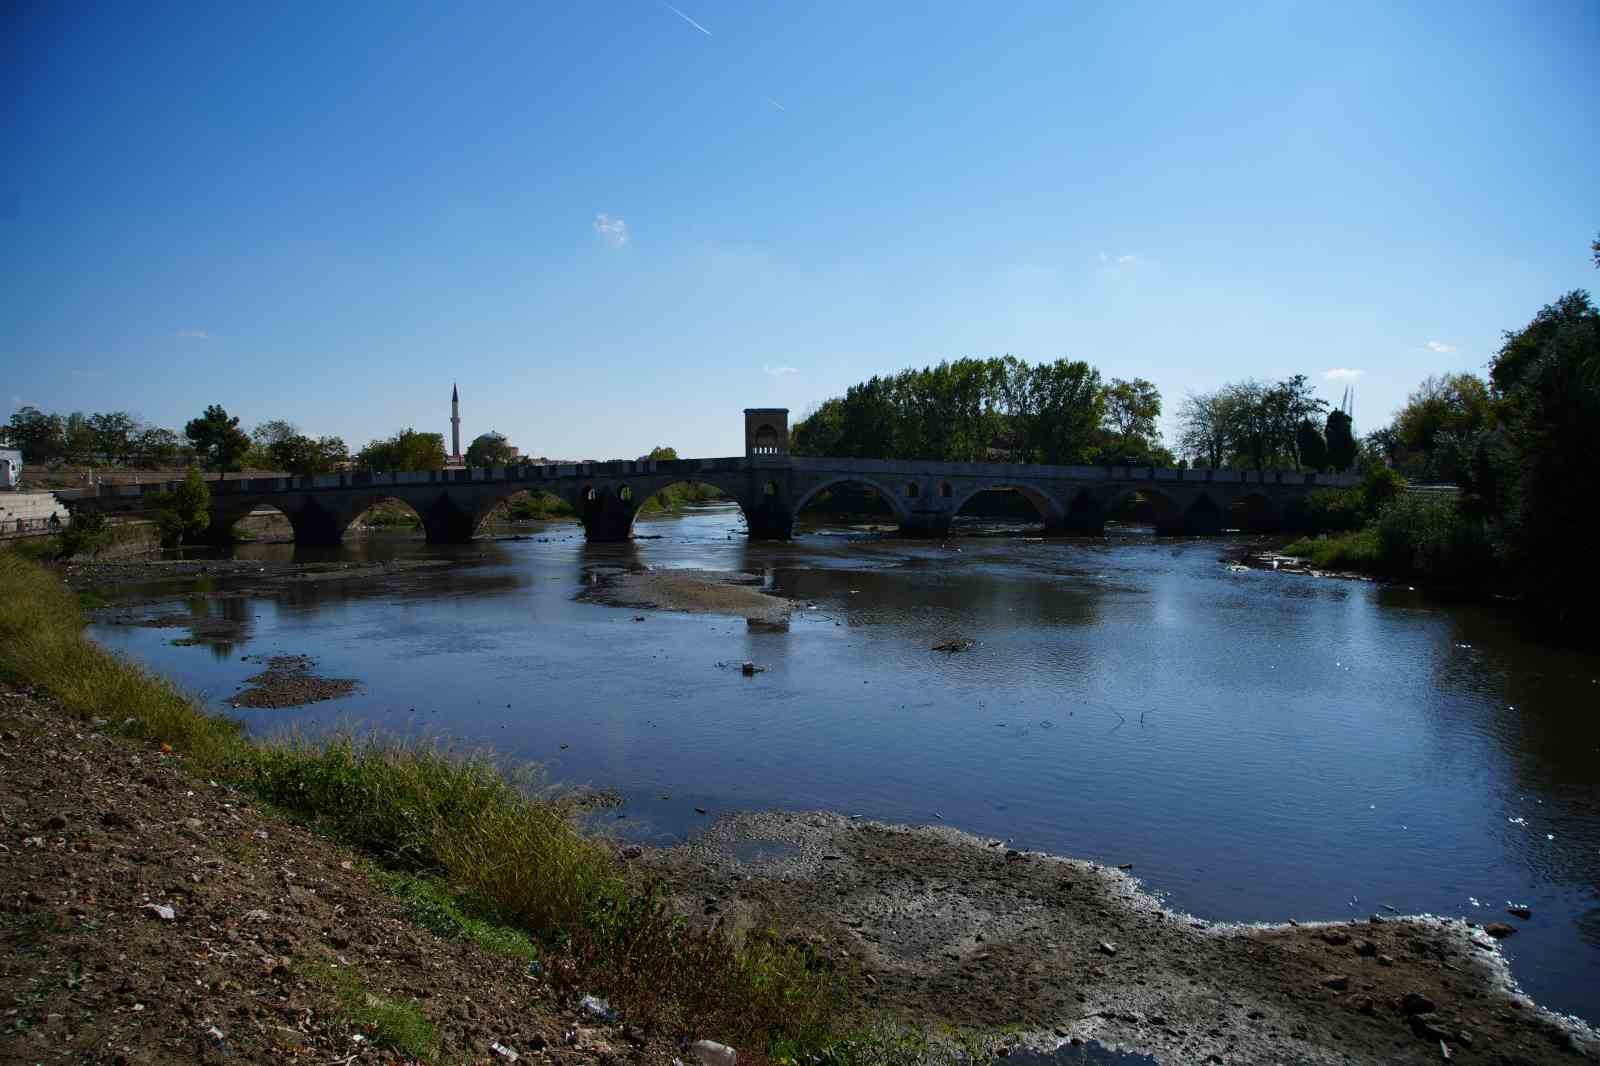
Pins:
x: 911, y: 490
x: 766, y: 432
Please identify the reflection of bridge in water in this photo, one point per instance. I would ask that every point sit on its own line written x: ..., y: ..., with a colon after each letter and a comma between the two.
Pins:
x: 770, y: 486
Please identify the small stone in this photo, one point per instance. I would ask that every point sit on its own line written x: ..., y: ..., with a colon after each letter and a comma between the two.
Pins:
x: 115, y: 820
x: 1385, y: 960
x: 1520, y: 912
x: 1417, y: 1003
x: 1336, y: 938
x: 1107, y: 948
x: 1338, y: 982
x: 1499, y: 930
x: 711, y: 1053
x: 632, y: 851
x: 56, y: 823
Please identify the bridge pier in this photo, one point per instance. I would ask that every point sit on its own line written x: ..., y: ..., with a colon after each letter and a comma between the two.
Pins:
x: 919, y: 525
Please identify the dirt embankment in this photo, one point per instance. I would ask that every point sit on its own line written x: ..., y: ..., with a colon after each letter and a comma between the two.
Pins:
x: 147, y: 916
x: 693, y: 591
x: 939, y: 924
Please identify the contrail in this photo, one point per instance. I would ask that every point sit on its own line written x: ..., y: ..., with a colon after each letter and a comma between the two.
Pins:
x: 774, y: 103
x: 689, y: 20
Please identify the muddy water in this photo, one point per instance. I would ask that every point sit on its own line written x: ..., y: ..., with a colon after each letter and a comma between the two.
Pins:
x: 1259, y: 746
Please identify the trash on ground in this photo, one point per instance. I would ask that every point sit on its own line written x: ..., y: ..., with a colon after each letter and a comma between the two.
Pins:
x: 598, y: 1007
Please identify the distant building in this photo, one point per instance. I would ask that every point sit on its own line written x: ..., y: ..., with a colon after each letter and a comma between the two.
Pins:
x: 455, y: 458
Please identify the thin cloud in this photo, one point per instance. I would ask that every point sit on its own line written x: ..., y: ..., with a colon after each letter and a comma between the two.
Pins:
x: 195, y: 334
x: 689, y: 20
x: 774, y: 103
x: 613, y: 230
x: 1342, y: 373
x: 1441, y: 347
x: 780, y: 371
x: 1118, y: 260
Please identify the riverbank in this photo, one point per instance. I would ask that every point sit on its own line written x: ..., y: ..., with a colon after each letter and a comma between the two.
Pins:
x: 1018, y: 976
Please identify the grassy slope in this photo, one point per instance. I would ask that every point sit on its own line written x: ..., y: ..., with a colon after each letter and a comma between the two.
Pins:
x: 417, y: 809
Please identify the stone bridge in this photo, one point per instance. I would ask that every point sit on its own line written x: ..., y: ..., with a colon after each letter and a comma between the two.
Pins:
x: 770, y: 486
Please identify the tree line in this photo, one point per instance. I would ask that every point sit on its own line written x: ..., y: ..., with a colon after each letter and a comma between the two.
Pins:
x: 1008, y: 410
x: 1522, y: 446
x: 215, y: 441
x: 998, y: 409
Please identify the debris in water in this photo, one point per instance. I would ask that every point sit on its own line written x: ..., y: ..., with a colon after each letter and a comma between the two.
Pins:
x: 958, y: 644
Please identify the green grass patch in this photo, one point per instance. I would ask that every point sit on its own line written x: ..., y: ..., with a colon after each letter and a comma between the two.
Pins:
x: 434, y: 907
x: 1356, y: 550
x: 536, y: 506
x: 388, y: 1022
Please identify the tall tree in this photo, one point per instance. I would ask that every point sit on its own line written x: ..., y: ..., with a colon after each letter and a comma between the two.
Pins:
x: 80, y: 442
x: 302, y: 456
x: 406, y: 450
x: 113, y: 433
x: 184, y: 513
x: 218, y: 441
x: 1341, y: 441
x: 1131, y: 411
x: 1312, y: 448
x: 39, y: 436
x: 1204, y: 423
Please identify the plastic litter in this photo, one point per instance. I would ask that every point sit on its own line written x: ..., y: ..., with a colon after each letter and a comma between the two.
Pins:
x: 711, y: 1053
x: 598, y: 1007
x: 504, y: 1052
x: 162, y: 911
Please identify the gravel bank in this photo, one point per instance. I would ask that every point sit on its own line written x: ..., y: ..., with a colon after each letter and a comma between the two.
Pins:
x: 944, y: 925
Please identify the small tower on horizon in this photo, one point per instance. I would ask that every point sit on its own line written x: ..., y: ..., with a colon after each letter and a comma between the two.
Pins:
x: 455, y: 424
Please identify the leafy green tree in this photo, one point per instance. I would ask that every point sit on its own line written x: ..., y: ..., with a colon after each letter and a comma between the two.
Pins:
x: 406, y: 450
x: 1437, y: 424
x: 302, y: 456
x: 1131, y: 411
x: 80, y: 441
x: 663, y: 453
x: 40, y: 437
x: 154, y: 447
x: 1292, y: 402
x: 1312, y: 448
x: 1205, y: 421
x: 218, y: 441
x: 490, y: 449
x: 184, y: 513
x: 1549, y: 374
x: 1341, y: 441
x: 112, y: 432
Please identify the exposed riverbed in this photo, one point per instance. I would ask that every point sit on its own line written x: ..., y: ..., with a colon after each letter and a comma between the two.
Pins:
x: 1258, y: 745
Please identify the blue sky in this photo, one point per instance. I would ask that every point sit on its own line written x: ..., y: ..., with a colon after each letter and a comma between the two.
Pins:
x: 617, y: 224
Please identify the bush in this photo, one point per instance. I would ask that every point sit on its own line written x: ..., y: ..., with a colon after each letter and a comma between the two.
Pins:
x: 1428, y: 537
x: 85, y: 534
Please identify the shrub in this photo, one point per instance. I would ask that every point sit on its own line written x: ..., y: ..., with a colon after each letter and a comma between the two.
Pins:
x: 1429, y: 538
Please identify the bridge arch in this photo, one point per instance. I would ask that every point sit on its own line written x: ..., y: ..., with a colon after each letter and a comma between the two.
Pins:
x: 658, y: 490
x: 891, y: 499
x: 1046, y: 506
x: 1147, y: 506
x: 1251, y: 512
x: 1204, y: 517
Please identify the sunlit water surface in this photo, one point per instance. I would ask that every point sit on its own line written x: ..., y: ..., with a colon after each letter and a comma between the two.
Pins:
x: 1260, y: 746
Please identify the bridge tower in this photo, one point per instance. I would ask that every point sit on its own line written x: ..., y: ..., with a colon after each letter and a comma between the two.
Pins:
x: 766, y: 433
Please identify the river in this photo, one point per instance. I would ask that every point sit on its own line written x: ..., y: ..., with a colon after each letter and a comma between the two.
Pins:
x: 1258, y: 745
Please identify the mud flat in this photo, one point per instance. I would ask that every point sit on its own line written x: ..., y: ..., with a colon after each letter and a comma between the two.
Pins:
x: 692, y: 591
x: 936, y: 924
x: 288, y: 682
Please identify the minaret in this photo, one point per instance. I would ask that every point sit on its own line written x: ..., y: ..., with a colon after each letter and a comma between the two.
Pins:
x: 455, y: 423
